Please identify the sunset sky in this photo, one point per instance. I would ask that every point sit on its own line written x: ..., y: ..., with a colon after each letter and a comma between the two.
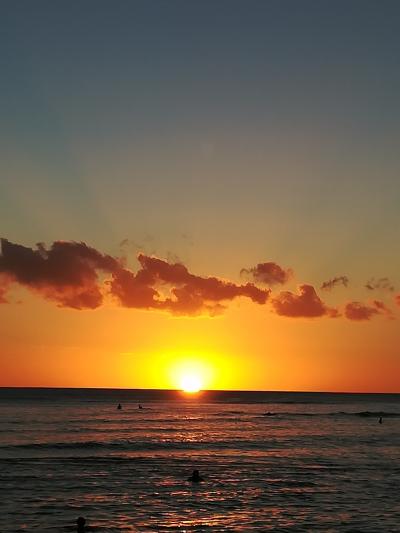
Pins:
x: 215, y: 190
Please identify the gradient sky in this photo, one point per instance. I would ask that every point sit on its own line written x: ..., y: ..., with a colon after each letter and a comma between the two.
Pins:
x: 220, y: 135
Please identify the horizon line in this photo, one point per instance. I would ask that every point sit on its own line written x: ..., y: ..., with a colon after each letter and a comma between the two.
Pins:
x: 16, y: 387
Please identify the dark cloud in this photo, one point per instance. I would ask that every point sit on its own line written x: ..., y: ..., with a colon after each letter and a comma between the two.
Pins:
x: 305, y: 304
x: 65, y: 273
x: 360, y: 311
x: 69, y: 273
x: 334, y: 282
x: 75, y: 275
x: 188, y: 294
x: 383, y: 284
x: 268, y: 273
x: 208, y: 293
x: 132, y: 292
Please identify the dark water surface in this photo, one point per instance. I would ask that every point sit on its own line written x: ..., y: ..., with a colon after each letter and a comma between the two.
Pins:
x: 318, y: 462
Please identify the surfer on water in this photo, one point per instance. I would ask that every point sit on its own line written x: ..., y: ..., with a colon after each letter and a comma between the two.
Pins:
x: 195, y: 477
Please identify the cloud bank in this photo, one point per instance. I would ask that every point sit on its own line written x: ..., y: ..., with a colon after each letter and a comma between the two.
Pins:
x: 189, y: 294
x: 78, y: 276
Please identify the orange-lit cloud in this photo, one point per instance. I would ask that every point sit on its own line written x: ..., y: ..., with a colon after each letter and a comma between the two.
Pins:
x: 334, y: 282
x: 4, y: 285
x: 77, y: 276
x: 67, y: 273
x: 188, y: 294
x: 381, y: 306
x: 268, y: 273
x: 359, y: 311
x: 131, y: 292
x: 305, y: 304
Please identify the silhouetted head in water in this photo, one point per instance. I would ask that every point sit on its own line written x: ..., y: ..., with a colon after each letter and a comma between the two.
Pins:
x: 119, y: 406
x: 380, y: 420
x: 80, y: 524
x: 195, y: 477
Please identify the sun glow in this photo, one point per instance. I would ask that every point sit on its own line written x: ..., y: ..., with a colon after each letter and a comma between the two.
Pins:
x: 190, y: 373
x: 190, y: 383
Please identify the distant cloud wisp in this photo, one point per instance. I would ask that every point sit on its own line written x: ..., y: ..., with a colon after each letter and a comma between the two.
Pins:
x: 334, y: 282
x: 359, y: 311
x: 383, y: 284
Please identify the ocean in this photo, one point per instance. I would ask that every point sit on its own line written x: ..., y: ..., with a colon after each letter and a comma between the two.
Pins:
x: 284, y: 462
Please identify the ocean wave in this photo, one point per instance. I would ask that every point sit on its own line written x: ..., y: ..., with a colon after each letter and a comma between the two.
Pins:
x: 377, y: 414
x: 366, y: 414
x: 143, y: 446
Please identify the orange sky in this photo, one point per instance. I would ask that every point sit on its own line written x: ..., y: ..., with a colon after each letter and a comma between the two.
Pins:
x: 246, y: 348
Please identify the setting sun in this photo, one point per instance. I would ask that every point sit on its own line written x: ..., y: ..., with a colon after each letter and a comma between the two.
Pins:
x: 189, y: 371
x: 190, y: 383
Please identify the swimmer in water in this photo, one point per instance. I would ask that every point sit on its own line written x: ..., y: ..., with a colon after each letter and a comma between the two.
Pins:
x: 380, y: 420
x: 119, y: 406
x: 80, y: 525
x: 195, y: 477
x: 140, y: 407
